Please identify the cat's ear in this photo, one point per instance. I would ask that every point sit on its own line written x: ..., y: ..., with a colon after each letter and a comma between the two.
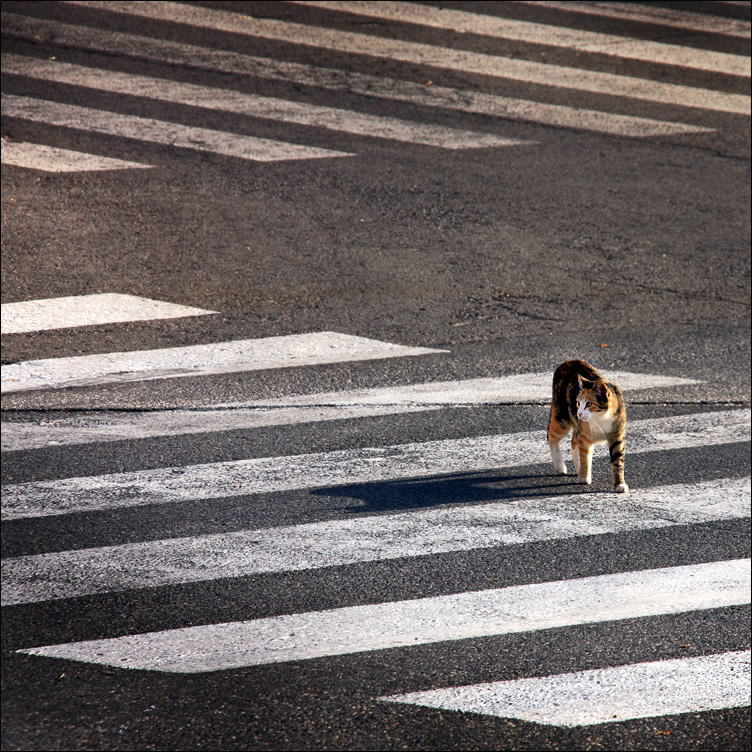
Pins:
x: 583, y: 383
x: 600, y: 389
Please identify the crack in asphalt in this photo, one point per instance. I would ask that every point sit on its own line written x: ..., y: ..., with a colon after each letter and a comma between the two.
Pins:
x: 354, y: 405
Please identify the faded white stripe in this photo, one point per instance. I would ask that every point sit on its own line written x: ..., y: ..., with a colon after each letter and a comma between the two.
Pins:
x: 36, y: 29
x: 606, y: 695
x: 71, y: 574
x: 423, y: 54
x: 253, y: 105
x: 159, y: 131
x: 88, y: 310
x: 310, y: 408
x: 535, y: 33
x: 200, y: 360
x: 680, y: 19
x: 345, y: 467
x: 524, y: 608
x: 53, y: 159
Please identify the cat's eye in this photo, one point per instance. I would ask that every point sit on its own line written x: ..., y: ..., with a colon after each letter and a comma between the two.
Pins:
x: 588, y: 404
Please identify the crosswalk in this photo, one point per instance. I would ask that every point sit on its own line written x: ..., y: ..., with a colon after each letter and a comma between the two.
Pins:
x: 522, y: 31
x: 345, y: 467
x: 71, y: 574
x: 267, y: 524
x: 310, y: 408
x: 692, y: 80
x: 524, y: 608
x: 459, y: 525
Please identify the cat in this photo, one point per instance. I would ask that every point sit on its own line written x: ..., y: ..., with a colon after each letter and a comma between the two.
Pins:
x: 594, y: 410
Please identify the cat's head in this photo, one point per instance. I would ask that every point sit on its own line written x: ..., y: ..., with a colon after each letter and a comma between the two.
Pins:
x: 592, y: 400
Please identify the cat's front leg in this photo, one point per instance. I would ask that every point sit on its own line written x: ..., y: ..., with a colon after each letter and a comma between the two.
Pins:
x: 616, y: 454
x: 582, y: 451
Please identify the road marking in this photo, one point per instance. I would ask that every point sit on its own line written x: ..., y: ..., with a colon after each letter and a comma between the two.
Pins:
x: 681, y: 19
x: 200, y: 360
x: 536, y: 33
x: 606, y: 695
x: 88, y: 310
x: 38, y: 30
x: 52, y: 159
x: 253, y: 105
x: 334, y: 543
x: 578, y: 79
x: 159, y: 131
x: 355, y: 629
x: 98, y: 426
x: 400, y: 462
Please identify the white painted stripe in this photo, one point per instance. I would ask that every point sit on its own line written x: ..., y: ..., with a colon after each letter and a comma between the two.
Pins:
x: 607, y: 695
x: 423, y: 54
x: 535, y: 33
x: 355, y: 629
x: 310, y: 408
x: 88, y: 310
x: 332, y: 543
x: 159, y: 131
x: 104, y: 426
x: 52, y: 159
x: 345, y: 467
x: 200, y: 360
x: 35, y: 29
x: 253, y: 105
x: 681, y: 19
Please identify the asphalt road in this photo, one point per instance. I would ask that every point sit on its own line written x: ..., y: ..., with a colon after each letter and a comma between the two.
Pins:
x: 594, y: 203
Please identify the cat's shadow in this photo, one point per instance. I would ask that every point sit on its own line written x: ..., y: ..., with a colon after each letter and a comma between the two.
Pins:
x: 461, y: 488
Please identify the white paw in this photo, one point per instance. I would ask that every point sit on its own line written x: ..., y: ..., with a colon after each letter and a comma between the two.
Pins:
x: 560, y: 469
x: 621, y: 488
x: 584, y: 480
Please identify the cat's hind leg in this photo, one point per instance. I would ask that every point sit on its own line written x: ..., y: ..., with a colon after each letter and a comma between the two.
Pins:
x: 556, y: 434
x: 616, y: 454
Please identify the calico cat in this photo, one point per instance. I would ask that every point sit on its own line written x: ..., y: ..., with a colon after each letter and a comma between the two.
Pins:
x: 594, y: 410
